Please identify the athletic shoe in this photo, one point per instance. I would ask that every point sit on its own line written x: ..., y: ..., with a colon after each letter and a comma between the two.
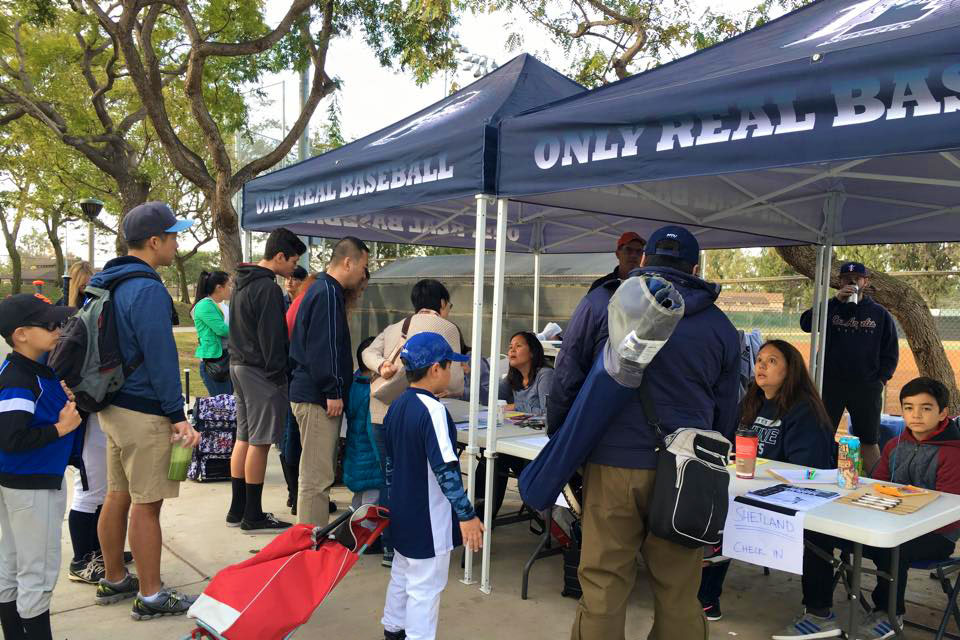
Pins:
x: 89, y: 570
x: 387, y: 560
x: 809, y: 626
x: 108, y: 593
x: 170, y: 603
x: 712, y: 611
x: 333, y: 507
x: 394, y: 635
x: 233, y: 520
x: 269, y: 524
x: 876, y: 627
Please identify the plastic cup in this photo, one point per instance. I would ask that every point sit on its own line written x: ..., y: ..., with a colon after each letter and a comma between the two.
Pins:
x: 180, y: 457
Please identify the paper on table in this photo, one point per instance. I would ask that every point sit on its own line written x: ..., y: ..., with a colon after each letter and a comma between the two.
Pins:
x: 764, y: 537
x: 562, y: 501
x: 799, y: 476
x: 536, y: 441
x: 791, y: 497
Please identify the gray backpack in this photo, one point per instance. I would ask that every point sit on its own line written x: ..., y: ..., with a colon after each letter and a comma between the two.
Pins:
x: 87, y: 356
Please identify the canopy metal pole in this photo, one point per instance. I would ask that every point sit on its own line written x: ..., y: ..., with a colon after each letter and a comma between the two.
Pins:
x: 496, y: 330
x: 476, y: 354
x: 815, y: 313
x: 824, y: 314
x: 536, y: 291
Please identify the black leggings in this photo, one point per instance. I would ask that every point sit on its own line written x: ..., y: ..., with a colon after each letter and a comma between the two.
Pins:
x: 864, y: 401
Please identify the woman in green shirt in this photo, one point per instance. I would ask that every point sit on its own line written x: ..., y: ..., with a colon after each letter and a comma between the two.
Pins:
x: 212, y: 289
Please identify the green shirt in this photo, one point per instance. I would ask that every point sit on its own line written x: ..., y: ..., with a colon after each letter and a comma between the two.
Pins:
x: 211, y: 329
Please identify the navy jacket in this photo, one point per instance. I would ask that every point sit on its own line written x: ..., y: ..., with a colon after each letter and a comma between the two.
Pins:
x: 693, y: 380
x: 795, y: 437
x: 320, y: 345
x: 862, y: 344
x: 32, y: 453
x: 144, y: 313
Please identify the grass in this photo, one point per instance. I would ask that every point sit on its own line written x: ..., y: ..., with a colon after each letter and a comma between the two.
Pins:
x: 186, y: 345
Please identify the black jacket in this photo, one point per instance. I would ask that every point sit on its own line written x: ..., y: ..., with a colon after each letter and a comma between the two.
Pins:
x: 862, y: 344
x: 258, y: 327
x: 320, y: 345
x: 610, y: 277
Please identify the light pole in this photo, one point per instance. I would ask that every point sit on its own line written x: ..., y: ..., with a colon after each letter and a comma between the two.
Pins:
x: 91, y: 208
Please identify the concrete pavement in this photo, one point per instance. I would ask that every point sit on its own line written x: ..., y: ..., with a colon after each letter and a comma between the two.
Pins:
x: 197, y: 545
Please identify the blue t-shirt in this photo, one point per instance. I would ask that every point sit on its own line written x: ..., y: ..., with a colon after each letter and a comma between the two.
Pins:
x: 420, y: 437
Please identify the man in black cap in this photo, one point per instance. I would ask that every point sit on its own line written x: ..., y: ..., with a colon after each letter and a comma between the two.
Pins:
x: 37, y: 439
x: 862, y: 350
x: 144, y: 416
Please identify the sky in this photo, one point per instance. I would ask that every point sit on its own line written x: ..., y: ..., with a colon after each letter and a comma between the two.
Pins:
x: 372, y: 96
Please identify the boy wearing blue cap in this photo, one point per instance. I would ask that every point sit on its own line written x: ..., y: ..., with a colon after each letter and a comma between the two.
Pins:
x: 430, y: 514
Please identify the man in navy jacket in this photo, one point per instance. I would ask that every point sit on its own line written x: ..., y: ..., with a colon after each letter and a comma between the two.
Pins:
x: 322, y: 373
x: 693, y: 382
x: 862, y: 354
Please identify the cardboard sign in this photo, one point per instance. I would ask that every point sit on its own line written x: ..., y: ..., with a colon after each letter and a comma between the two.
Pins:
x: 764, y: 537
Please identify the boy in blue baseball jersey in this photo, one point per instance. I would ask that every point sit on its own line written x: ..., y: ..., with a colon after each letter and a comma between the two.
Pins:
x: 37, y: 422
x: 430, y: 514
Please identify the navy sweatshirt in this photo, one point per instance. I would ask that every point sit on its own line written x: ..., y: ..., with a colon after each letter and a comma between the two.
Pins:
x: 144, y: 312
x: 862, y: 344
x: 796, y: 437
x: 32, y: 453
x: 320, y: 345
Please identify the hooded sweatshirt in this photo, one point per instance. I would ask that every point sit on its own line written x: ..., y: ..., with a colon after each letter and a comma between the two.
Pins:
x: 795, y: 437
x: 144, y: 312
x: 693, y: 381
x: 931, y: 464
x: 862, y: 344
x: 258, y: 329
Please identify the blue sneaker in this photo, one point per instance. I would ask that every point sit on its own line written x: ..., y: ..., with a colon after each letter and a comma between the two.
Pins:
x: 876, y: 627
x: 809, y: 626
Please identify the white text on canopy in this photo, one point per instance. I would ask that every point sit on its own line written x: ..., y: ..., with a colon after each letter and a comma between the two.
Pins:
x: 763, y: 537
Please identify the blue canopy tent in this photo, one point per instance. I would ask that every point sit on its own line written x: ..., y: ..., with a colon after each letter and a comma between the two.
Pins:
x: 836, y: 124
x: 426, y: 179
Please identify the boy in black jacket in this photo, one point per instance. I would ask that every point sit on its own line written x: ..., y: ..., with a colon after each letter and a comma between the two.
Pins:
x: 38, y: 418
x: 862, y: 354
x: 258, y: 369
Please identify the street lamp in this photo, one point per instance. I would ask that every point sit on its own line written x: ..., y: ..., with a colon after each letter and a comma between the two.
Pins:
x: 91, y: 208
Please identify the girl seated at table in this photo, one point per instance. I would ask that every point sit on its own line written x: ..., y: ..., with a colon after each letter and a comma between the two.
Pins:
x: 525, y: 388
x: 793, y: 426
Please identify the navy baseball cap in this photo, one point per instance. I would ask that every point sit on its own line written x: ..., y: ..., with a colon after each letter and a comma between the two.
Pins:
x: 675, y: 242
x: 30, y: 310
x: 152, y: 219
x: 427, y: 348
x: 854, y: 267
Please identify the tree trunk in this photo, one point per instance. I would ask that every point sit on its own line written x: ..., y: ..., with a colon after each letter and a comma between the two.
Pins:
x: 10, y: 234
x: 52, y: 231
x: 224, y: 220
x: 906, y: 305
x: 133, y: 192
x: 180, y: 264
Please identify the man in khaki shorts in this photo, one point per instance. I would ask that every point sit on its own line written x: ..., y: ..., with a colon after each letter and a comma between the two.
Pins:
x: 144, y: 416
x: 322, y: 373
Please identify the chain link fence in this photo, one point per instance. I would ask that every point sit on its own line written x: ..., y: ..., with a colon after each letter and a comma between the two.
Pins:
x: 774, y: 305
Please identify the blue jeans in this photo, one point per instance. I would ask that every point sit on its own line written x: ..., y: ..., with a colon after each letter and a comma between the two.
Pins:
x: 215, y: 388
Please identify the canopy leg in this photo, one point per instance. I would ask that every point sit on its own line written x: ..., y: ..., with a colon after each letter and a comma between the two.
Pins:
x: 536, y: 291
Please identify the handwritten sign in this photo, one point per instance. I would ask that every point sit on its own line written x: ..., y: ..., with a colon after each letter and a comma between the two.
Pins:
x: 763, y: 537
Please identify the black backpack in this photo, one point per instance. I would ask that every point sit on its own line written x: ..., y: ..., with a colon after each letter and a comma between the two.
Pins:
x: 87, y: 355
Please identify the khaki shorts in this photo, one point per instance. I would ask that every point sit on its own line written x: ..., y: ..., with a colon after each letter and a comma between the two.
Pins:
x: 138, y: 454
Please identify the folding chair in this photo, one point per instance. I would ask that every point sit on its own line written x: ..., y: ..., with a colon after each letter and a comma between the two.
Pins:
x: 942, y: 571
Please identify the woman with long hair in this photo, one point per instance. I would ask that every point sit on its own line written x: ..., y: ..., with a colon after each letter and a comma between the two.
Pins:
x: 212, y: 330
x: 782, y: 404
x: 87, y: 563
x: 529, y: 378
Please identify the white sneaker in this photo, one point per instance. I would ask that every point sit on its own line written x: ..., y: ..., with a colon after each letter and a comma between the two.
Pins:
x: 810, y: 627
x: 877, y: 626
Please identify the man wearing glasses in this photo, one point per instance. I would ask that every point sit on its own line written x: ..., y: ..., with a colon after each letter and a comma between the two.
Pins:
x: 629, y: 252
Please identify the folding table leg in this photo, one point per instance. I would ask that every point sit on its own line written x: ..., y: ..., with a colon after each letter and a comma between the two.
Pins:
x: 892, y: 594
x: 951, y: 603
x: 544, y: 542
x: 856, y: 567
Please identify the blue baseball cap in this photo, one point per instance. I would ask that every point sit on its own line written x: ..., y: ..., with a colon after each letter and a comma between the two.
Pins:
x: 151, y: 219
x: 675, y: 242
x: 854, y: 267
x: 427, y: 348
